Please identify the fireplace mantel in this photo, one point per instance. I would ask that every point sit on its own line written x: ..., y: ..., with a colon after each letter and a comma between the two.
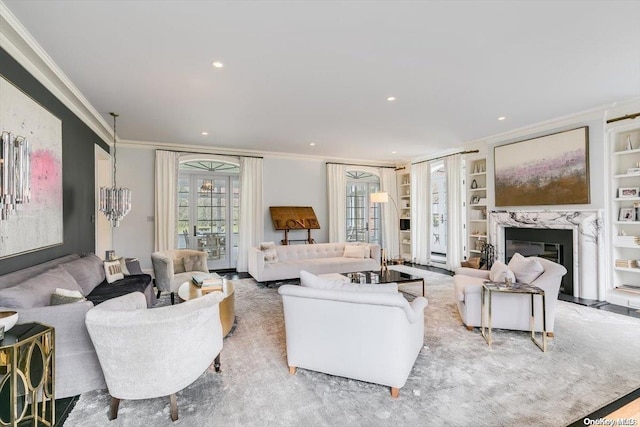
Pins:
x: 588, y: 242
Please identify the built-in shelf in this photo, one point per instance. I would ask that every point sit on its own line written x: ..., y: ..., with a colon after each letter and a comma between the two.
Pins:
x: 622, y: 152
x: 479, y: 236
x: 626, y: 222
x: 628, y: 269
x: 478, y: 189
x: 478, y: 174
x: 477, y: 204
x: 627, y: 175
x: 473, y: 251
x: 477, y: 225
x: 477, y: 220
x: 626, y: 246
x: 626, y: 199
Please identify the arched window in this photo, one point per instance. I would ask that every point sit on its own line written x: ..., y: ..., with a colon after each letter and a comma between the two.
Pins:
x: 363, y: 223
x: 208, y: 210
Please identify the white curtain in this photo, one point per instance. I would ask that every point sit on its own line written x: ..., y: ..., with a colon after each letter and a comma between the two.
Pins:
x: 251, y: 227
x: 390, y: 215
x: 455, y: 234
x: 166, y: 190
x: 421, y: 212
x: 337, y: 193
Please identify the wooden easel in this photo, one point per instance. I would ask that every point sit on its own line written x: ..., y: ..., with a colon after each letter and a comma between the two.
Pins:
x: 286, y: 239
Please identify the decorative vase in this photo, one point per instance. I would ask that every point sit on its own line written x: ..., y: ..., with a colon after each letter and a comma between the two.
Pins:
x: 474, y: 184
x: 629, y: 146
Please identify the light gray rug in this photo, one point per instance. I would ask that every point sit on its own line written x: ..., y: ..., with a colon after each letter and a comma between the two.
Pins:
x: 457, y: 380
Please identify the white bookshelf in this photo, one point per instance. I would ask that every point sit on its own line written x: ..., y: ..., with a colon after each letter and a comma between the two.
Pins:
x: 404, y: 207
x: 622, y: 161
x: 476, y: 186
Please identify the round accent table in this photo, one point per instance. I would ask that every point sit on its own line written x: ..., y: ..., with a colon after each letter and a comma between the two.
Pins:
x: 188, y: 291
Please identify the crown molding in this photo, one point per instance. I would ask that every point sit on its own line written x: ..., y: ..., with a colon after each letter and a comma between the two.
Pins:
x: 150, y: 145
x: 18, y: 42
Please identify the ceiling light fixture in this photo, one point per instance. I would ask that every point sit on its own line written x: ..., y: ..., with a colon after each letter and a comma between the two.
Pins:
x: 501, y: 118
x: 217, y: 64
x: 393, y: 152
x: 205, y: 133
x: 312, y: 143
x: 115, y: 202
x: 391, y: 98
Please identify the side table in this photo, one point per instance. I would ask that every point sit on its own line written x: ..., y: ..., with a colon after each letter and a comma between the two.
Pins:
x: 27, y: 375
x: 517, y: 288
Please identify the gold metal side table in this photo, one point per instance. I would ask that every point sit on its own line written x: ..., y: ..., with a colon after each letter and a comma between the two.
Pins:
x: 27, y: 376
x: 517, y: 288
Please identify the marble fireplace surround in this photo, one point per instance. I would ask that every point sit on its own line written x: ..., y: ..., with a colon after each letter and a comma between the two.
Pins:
x: 588, y: 242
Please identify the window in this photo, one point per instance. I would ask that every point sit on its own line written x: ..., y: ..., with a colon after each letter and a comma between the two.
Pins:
x: 208, y: 210
x: 363, y: 217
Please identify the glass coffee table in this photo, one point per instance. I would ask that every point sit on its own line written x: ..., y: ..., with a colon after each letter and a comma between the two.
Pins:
x: 391, y: 276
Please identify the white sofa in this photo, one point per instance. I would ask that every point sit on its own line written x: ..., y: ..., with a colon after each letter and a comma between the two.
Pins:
x: 317, y: 258
x: 368, y: 336
x: 509, y: 311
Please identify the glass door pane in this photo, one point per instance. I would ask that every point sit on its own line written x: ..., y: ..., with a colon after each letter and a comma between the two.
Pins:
x: 439, y: 213
x: 211, y: 219
x: 363, y: 218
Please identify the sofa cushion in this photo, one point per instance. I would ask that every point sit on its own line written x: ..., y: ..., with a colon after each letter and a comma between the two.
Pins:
x: 87, y: 271
x: 270, y: 253
x: 64, y: 296
x: 113, y: 271
x: 310, y: 280
x: 36, y: 292
x: 123, y: 266
x: 526, y: 270
x: 354, y: 251
x: 500, y: 272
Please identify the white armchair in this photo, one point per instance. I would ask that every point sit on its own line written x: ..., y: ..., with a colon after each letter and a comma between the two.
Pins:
x: 139, y: 349
x: 174, y: 267
x: 367, y: 336
x: 509, y: 311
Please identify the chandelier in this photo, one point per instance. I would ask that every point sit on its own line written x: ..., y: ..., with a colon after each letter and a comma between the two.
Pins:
x: 15, y: 174
x: 115, y: 202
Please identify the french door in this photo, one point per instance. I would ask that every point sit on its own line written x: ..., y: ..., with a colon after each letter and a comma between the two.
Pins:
x: 208, y: 216
x: 438, y: 213
x: 363, y: 217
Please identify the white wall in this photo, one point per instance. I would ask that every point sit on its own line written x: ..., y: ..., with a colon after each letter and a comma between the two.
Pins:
x: 287, y: 182
x: 135, y: 236
x: 295, y: 182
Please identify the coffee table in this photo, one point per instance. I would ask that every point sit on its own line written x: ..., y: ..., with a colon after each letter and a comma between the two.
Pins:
x: 393, y: 276
x: 188, y: 291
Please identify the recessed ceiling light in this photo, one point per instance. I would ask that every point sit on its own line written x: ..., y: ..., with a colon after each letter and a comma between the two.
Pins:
x: 393, y: 152
x: 391, y: 98
x: 217, y: 64
x: 312, y: 143
x: 501, y: 118
x: 204, y: 133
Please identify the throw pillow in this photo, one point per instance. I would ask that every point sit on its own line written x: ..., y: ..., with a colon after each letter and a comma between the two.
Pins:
x: 88, y: 272
x: 194, y: 263
x: 354, y: 251
x: 113, y: 271
x: 64, y: 296
x: 123, y: 267
x: 526, y: 270
x: 270, y: 252
x: 36, y: 291
x: 178, y: 266
x: 310, y: 280
x: 499, y: 272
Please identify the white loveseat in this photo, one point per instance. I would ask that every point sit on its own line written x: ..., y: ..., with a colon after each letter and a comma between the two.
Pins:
x: 318, y: 258
x: 509, y: 311
x: 364, y: 335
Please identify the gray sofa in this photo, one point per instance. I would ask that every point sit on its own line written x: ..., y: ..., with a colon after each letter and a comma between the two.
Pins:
x: 28, y: 291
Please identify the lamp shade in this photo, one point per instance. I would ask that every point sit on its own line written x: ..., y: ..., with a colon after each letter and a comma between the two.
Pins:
x: 379, y: 197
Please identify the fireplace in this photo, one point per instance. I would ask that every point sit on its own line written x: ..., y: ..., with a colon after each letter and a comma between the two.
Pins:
x: 553, y: 244
x: 588, y: 249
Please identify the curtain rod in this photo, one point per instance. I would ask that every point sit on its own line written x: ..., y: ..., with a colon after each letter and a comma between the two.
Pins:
x: 367, y: 166
x: 214, y: 154
x: 628, y: 116
x: 448, y: 155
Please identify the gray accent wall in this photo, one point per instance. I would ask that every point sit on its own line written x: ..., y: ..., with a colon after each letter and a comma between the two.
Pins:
x: 78, y: 142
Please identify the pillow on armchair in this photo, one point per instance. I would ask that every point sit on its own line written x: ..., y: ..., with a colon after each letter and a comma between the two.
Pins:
x: 526, y: 270
x: 310, y: 280
x: 194, y: 263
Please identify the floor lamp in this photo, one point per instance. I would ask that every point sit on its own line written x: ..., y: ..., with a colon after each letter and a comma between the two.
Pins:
x: 384, y: 197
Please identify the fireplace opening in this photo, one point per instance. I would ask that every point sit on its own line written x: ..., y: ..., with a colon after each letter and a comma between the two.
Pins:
x: 553, y: 244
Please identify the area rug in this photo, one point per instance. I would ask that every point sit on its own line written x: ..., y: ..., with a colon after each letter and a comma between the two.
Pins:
x: 457, y: 380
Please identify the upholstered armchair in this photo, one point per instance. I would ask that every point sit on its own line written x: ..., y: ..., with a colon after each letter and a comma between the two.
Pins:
x: 368, y: 336
x: 509, y: 311
x: 148, y: 353
x: 174, y: 267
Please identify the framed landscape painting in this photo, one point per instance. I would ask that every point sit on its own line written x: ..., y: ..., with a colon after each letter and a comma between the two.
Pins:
x: 549, y: 170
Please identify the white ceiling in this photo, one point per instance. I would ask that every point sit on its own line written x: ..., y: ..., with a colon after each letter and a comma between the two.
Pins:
x: 319, y: 72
